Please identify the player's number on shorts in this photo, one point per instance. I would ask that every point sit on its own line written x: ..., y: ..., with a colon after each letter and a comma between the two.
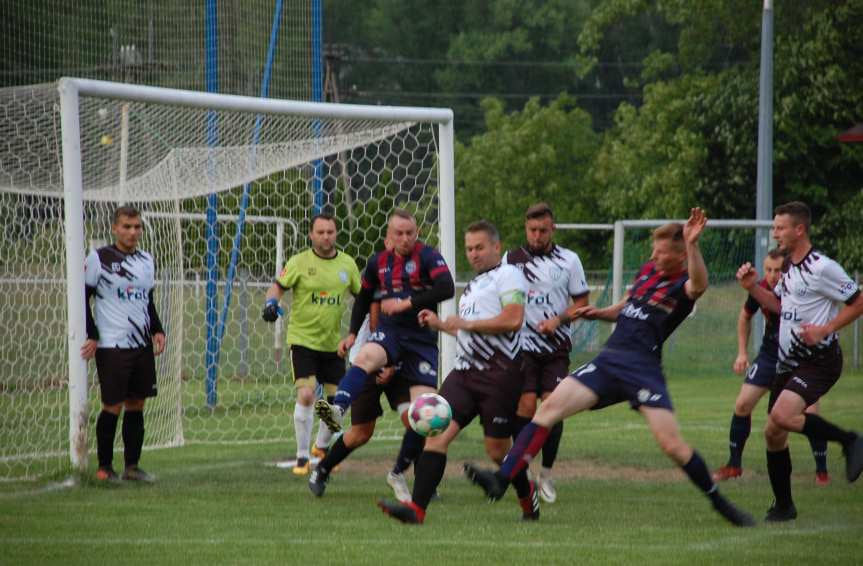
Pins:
x: 753, y: 369
x: 585, y: 369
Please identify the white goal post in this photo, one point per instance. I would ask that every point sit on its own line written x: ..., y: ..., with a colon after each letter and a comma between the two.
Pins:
x: 406, y: 152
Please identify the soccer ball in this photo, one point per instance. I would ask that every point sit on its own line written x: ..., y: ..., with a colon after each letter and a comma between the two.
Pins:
x: 429, y: 414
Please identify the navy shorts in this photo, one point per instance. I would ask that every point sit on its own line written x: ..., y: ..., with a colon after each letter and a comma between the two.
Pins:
x: 416, y: 351
x: 762, y: 371
x: 616, y: 376
x: 543, y: 371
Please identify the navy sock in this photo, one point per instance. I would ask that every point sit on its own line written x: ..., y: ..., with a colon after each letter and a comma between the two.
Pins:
x: 429, y: 471
x: 133, y: 437
x: 698, y: 473
x: 779, y: 470
x: 524, y: 449
x: 412, y: 446
x: 106, y: 429
x: 740, y: 429
x: 549, y: 449
x: 814, y: 427
x: 335, y: 455
x: 350, y: 386
x: 819, y: 452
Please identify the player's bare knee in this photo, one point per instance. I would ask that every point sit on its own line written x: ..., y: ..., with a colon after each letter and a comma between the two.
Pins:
x: 134, y: 404
x: 743, y: 407
x: 113, y: 409
x: 305, y: 396
x: 527, y: 405
x: 357, y: 435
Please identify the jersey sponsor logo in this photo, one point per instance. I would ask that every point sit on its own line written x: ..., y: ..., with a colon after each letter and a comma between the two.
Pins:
x: 131, y: 294
x: 535, y: 297
x: 410, y: 266
x: 631, y: 311
x: 791, y: 315
x: 645, y: 395
x: 324, y: 298
x: 468, y: 310
x: 343, y: 276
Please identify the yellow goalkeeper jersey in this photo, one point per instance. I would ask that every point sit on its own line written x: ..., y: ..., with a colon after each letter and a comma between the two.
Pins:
x: 320, y: 287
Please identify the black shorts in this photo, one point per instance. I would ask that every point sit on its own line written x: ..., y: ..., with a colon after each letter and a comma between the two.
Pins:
x: 543, y: 371
x: 492, y: 394
x: 325, y: 367
x: 126, y: 373
x: 811, y: 379
x: 366, y: 407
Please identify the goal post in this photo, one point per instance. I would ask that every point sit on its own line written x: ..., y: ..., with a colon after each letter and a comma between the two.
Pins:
x: 86, y: 146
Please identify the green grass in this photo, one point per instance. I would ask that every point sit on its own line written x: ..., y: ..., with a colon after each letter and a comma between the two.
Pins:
x: 620, y: 502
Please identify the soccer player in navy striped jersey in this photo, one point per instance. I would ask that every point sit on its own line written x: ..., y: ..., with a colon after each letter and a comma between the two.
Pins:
x: 810, y: 293
x: 556, y: 288
x: 487, y: 379
x: 124, y: 335
x: 629, y: 366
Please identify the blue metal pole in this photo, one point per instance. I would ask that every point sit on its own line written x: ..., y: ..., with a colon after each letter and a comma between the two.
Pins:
x: 244, y: 202
x: 317, y: 96
x: 212, y: 85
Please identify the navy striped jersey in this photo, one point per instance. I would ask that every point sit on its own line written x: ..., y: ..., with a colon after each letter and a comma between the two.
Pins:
x: 392, y: 275
x: 122, y: 284
x: 656, y: 305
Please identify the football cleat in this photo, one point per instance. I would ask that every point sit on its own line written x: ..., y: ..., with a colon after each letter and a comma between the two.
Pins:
x: 319, y: 453
x: 330, y: 414
x: 399, y: 485
x: 727, y: 473
x: 493, y: 485
x: 547, y: 491
x: 853, y: 459
x: 408, y: 512
x: 735, y: 516
x: 822, y: 478
x: 107, y: 475
x: 134, y: 473
x: 530, y: 505
x: 302, y: 468
x: 318, y: 482
x: 778, y: 514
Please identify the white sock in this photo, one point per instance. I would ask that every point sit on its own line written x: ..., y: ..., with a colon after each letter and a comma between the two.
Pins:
x: 303, y: 421
x: 325, y: 435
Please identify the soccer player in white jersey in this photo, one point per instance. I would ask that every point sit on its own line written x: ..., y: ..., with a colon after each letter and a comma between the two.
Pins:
x: 810, y: 294
x: 124, y: 335
x: 556, y: 288
x: 487, y: 379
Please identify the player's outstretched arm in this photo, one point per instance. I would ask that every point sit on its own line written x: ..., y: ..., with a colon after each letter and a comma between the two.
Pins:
x: 747, y: 276
x: 608, y: 314
x: 550, y: 325
x: 697, y: 283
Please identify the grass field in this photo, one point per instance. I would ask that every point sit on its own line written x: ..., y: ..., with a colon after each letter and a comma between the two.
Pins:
x: 620, y: 502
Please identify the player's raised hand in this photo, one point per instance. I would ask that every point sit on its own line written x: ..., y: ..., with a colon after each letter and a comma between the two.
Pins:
x: 741, y: 362
x: 694, y: 226
x: 158, y: 343
x: 747, y: 276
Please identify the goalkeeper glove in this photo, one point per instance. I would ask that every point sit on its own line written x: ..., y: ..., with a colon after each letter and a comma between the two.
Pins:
x: 272, y: 311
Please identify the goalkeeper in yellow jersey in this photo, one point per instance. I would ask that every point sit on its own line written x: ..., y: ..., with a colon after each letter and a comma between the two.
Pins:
x: 320, y: 279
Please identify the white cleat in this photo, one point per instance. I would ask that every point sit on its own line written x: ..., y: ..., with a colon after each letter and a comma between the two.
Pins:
x: 400, y: 486
x: 547, y: 491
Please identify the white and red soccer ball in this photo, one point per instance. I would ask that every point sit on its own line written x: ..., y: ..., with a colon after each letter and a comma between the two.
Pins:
x: 429, y: 414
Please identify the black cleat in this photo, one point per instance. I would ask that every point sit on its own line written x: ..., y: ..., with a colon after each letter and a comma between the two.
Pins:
x: 408, y: 513
x: 778, y: 514
x: 330, y: 414
x: 134, y: 473
x: 853, y: 459
x: 318, y: 481
x: 493, y: 485
x: 735, y: 516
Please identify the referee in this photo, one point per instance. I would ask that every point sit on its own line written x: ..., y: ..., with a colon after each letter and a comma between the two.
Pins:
x: 125, y: 334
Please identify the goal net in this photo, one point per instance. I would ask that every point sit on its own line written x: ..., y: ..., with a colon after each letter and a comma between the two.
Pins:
x: 227, y: 187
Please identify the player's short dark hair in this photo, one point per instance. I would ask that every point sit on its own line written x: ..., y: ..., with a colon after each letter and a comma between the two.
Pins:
x: 323, y: 216
x: 484, y: 226
x: 777, y: 253
x: 538, y: 210
x: 401, y: 213
x: 127, y: 211
x: 672, y: 231
x: 798, y: 211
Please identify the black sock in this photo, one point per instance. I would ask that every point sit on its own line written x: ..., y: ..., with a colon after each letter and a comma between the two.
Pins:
x: 698, y: 473
x: 740, y: 429
x: 779, y: 470
x: 518, y: 424
x: 549, y: 449
x: 819, y: 452
x: 428, y: 471
x: 335, y: 455
x: 133, y: 436
x: 521, y: 483
x: 412, y: 446
x: 814, y: 427
x: 106, y: 429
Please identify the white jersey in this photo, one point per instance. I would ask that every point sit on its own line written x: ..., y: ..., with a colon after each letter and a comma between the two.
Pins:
x: 122, y: 285
x: 811, y: 292
x: 484, y: 298
x: 552, y: 279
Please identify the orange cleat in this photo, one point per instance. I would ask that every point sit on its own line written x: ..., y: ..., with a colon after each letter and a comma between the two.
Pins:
x: 727, y: 473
